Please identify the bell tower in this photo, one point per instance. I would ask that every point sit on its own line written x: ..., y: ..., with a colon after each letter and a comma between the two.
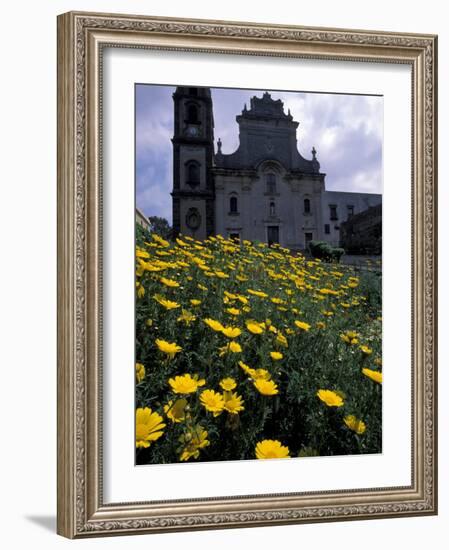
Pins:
x: 193, y: 193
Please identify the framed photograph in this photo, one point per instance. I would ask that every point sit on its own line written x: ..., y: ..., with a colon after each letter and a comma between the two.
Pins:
x: 246, y: 274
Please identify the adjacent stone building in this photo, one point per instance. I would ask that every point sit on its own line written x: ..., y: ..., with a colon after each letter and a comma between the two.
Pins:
x: 362, y: 233
x: 142, y: 220
x: 265, y: 190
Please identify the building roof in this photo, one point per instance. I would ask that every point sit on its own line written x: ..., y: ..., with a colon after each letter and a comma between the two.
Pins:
x: 348, y: 194
x: 142, y: 216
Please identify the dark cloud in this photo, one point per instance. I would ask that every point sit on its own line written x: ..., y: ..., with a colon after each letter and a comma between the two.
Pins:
x: 346, y: 130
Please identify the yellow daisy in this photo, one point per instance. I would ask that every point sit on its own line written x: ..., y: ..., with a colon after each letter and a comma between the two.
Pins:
x: 354, y: 424
x: 231, y: 332
x: 170, y: 349
x: 302, y: 325
x: 140, y: 372
x: 266, y: 387
x: 373, y: 374
x: 232, y: 347
x: 186, y: 383
x: 233, y: 403
x: 214, y: 325
x: 168, y: 304
x: 149, y: 427
x: 192, y: 441
x: 271, y: 448
x: 331, y: 398
x: 169, y: 282
x: 254, y: 327
x: 366, y: 350
x: 228, y: 384
x: 212, y: 401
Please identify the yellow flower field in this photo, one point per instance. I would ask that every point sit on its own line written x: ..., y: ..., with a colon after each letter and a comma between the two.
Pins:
x: 249, y: 352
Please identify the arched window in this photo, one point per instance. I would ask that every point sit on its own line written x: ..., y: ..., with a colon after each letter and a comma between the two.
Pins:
x: 271, y: 183
x: 192, y: 114
x: 272, y: 209
x: 193, y: 172
x: 233, y: 205
x: 306, y: 206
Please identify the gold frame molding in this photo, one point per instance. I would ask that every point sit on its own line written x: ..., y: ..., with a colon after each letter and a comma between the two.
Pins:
x: 81, y: 38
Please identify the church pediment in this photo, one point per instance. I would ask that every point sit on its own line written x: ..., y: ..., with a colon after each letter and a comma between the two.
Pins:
x: 266, y: 107
x: 266, y: 132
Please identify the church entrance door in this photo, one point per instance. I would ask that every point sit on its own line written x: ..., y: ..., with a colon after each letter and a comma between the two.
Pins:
x: 273, y: 234
x: 307, y: 238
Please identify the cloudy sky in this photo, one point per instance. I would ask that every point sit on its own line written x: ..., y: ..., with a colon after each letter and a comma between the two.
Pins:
x: 346, y: 130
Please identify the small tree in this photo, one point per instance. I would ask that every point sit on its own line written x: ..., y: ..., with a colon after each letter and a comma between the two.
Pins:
x: 161, y: 227
x: 326, y: 252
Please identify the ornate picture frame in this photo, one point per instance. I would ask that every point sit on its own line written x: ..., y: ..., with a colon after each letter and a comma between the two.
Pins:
x: 82, y: 38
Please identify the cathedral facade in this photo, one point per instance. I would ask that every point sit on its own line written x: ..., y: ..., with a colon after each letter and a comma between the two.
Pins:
x: 265, y: 190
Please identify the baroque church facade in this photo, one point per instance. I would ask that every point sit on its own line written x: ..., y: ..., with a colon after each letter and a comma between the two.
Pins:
x: 265, y: 190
